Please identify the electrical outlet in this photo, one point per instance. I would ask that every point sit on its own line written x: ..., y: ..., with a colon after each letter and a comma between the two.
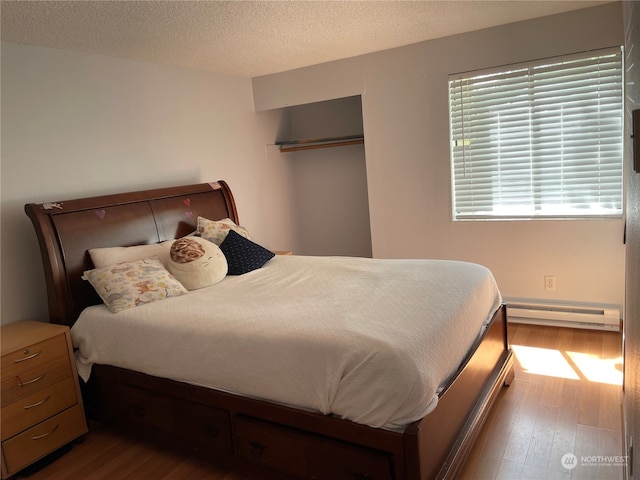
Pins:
x: 550, y: 283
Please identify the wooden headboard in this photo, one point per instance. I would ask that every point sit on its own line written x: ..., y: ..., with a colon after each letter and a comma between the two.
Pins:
x: 66, y: 230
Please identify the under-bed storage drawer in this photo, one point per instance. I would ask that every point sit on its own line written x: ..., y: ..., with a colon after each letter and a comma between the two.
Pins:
x: 304, y: 456
x: 201, y: 427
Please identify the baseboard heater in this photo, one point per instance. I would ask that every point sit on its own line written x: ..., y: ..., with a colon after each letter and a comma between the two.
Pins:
x: 597, y: 317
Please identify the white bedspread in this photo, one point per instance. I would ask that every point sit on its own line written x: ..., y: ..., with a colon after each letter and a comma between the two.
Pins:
x: 366, y: 340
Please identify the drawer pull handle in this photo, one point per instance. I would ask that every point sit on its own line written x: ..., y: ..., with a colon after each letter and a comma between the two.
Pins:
x: 257, y: 449
x: 18, y: 360
x: 37, y: 437
x: 28, y: 382
x: 37, y: 404
x: 361, y: 476
x: 138, y: 411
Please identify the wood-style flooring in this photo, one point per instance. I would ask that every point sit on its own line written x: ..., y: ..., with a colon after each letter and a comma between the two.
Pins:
x: 565, y: 401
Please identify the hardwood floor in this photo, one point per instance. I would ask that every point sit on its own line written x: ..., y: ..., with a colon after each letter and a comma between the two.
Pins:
x: 565, y: 399
x: 107, y: 455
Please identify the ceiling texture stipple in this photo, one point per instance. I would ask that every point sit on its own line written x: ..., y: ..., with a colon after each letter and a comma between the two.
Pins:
x: 254, y: 38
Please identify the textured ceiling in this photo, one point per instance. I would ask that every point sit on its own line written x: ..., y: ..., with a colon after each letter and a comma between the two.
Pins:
x: 253, y: 38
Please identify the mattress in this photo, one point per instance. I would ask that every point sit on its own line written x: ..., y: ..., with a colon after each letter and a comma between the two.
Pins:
x: 369, y: 340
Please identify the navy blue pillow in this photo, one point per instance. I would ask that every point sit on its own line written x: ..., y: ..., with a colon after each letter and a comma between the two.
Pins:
x: 242, y: 254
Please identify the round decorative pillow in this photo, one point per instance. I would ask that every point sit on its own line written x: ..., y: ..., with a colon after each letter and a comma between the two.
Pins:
x: 196, y: 262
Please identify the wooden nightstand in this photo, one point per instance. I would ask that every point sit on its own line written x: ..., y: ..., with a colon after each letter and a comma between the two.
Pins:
x: 41, y: 403
x: 283, y: 252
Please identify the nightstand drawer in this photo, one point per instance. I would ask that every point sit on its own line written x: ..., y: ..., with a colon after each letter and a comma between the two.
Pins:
x: 27, y: 382
x: 44, y: 438
x: 33, y: 356
x: 36, y: 407
x: 40, y: 396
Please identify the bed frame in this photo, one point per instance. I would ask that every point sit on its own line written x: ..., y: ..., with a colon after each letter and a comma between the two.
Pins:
x: 274, y: 440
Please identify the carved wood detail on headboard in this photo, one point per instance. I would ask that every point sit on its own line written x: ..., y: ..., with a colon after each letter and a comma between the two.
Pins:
x: 66, y: 230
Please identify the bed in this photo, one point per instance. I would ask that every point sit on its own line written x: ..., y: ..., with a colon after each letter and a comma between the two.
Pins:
x: 343, y: 426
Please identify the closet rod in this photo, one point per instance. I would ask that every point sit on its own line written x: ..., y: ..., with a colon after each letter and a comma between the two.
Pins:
x: 320, y: 145
x: 310, y: 144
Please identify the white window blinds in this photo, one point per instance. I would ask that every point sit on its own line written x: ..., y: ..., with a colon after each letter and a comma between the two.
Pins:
x: 538, y: 140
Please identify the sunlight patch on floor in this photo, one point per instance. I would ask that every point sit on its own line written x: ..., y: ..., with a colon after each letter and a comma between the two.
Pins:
x: 544, y: 361
x: 596, y: 369
x: 570, y: 365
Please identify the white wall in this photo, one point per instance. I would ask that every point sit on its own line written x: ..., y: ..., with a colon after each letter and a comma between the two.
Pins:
x: 405, y: 114
x: 77, y: 125
x: 332, y: 207
x: 332, y: 213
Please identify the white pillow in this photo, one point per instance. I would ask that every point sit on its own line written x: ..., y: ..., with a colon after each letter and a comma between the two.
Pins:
x: 103, y: 257
x: 196, y: 262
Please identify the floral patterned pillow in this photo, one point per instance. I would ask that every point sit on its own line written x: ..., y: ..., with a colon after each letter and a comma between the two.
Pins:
x: 216, y: 231
x: 129, y: 284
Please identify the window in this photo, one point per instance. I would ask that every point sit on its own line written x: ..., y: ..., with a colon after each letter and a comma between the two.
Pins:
x: 538, y: 140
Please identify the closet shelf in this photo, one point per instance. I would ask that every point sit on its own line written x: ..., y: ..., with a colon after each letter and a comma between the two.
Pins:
x: 313, y: 143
